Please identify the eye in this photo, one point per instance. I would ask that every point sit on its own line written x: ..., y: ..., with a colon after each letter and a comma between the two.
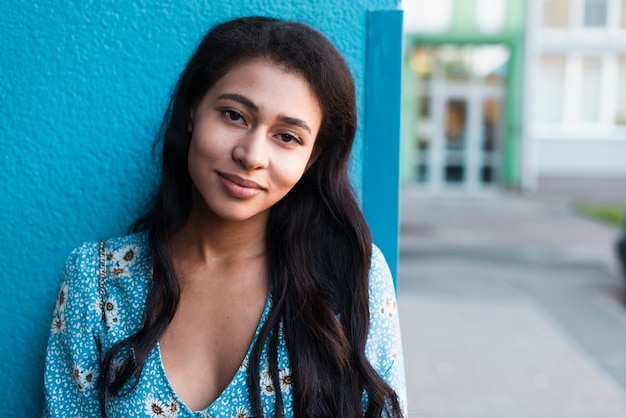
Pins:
x: 289, y: 138
x: 233, y: 115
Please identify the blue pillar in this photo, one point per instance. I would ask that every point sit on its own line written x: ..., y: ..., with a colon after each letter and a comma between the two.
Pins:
x: 381, y: 166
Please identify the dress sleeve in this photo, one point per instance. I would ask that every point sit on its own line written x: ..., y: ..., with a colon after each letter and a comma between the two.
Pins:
x: 384, y: 344
x: 73, y: 355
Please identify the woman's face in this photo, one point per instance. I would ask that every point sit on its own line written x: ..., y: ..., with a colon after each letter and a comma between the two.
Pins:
x: 252, y: 138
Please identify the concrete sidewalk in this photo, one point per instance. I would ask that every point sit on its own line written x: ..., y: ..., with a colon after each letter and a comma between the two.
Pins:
x: 510, y: 307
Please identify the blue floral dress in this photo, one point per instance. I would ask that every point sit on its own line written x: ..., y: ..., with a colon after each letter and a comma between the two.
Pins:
x: 88, y: 320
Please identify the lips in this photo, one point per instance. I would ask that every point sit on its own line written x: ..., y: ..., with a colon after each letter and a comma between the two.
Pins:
x: 239, y: 187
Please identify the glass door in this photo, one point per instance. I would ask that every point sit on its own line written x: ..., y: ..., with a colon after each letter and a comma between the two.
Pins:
x: 458, y: 133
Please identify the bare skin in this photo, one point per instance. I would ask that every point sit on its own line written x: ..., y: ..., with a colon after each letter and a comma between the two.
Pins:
x: 224, y: 290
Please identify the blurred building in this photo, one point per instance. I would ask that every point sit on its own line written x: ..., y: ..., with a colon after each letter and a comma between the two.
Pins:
x: 576, y: 95
x: 504, y: 93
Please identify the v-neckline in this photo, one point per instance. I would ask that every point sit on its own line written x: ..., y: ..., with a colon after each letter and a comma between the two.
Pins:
x: 243, y: 367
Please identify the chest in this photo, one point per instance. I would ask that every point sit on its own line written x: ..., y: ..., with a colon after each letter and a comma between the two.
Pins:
x: 154, y: 392
x: 160, y: 389
x: 208, y: 339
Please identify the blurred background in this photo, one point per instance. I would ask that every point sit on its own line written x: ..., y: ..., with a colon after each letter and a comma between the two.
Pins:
x: 513, y: 171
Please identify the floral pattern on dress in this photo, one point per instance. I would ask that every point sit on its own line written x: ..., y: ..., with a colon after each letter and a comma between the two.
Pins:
x: 158, y: 409
x: 58, y: 323
x: 119, y: 262
x: 286, y: 379
x: 111, y: 313
x: 61, y: 302
x: 242, y: 412
x: 58, y: 315
x: 85, y: 326
x: 84, y: 378
x: 388, y: 306
x: 267, y: 386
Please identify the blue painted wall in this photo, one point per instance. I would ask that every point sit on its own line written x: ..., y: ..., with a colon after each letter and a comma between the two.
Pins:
x: 82, y: 89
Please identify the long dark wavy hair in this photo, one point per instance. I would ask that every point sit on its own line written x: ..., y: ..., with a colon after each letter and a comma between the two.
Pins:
x: 318, y: 285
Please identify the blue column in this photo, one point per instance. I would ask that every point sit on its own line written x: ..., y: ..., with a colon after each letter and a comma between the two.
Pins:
x: 381, y: 166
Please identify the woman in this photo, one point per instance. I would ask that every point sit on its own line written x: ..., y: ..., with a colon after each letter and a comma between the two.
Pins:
x: 252, y: 287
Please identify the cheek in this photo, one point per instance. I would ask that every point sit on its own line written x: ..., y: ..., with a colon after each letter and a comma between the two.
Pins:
x: 290, y: 170
x: 201, y: 148
x: 199, y: 159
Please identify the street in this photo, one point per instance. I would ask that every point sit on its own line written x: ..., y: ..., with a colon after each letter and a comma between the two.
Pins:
x: 510, y: 307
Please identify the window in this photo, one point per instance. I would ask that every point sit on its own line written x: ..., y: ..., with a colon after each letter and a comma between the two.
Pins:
x: 620, y: 117
x: 424, y: 133
x: 556, y: 13
x: 548, y: 100
x: 591, y: 88
x: 456, y: 62
x: 422, y: 62
x: 490, y: 15
x: 427, y: 15
x: 595, y: 13
x: 456, y: 121
x: 492, y: 119
x: 490, y: 62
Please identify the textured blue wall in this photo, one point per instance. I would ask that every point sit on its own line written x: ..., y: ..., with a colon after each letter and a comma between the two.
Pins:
x: 82, y: 90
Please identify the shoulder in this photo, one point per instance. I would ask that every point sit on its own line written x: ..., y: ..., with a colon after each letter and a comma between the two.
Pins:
x: 82, y: 268
x: 380, y: 279
x: 88, y: 251
x: 127, y: 253
x: 382, y: 292
x: 128, y: 264
x: 378, y: 258
x: 135, y: 242
x: 119, y: 250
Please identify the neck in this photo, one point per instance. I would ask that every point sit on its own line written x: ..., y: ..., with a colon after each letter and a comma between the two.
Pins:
x: 208, y: 239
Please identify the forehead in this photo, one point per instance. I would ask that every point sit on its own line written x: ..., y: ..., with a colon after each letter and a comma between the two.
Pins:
x: 270, y: 86
x: 252, y: 72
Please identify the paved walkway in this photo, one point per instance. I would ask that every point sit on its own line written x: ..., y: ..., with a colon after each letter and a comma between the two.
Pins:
x: 510, y: 307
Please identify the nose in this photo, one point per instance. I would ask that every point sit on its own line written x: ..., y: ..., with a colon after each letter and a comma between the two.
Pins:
x: 252, y: 150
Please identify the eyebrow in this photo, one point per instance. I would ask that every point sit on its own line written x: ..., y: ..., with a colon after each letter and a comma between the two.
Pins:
x: 241, y: 99
x: 294, y: 121
x: 250, y: 105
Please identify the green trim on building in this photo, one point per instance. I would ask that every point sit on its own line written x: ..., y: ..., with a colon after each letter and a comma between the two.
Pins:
x: 464, y: 31
x: 409, y: 109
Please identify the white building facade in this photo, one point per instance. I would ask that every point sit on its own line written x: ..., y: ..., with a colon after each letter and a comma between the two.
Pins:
x: 575, y: 90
